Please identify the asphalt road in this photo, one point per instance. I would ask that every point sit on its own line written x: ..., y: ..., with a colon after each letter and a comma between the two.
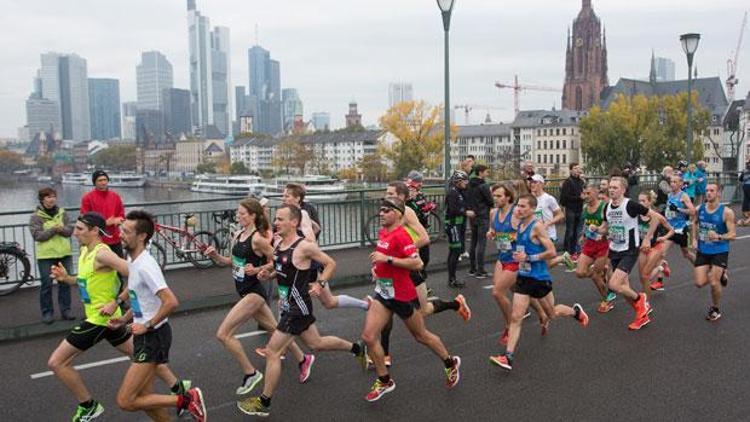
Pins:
x: 678, y: 368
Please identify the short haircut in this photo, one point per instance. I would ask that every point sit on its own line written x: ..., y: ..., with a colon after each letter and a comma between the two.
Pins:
x: 621, y: 180
x: 294, y: 213
x: 296, y: 190
x: 45, y: 192
x: 676, y: 176
x: 531, y: 199
x: 401, y: 188
x: 571, y: 165
x: 472, y: 157
x: 144, y: 223
x: 480, y: 168
x: 508, y: 191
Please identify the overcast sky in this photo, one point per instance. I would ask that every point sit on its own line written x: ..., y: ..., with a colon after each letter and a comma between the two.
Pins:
x: 334, y: 51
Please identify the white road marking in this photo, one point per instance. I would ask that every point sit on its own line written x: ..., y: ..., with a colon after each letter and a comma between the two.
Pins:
x: 125, y: 358
x: 742, y: 237
x: 489, y: 286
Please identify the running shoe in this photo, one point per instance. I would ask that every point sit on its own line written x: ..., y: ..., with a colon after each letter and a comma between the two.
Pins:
x: 430, y: 293
x: 197, y: 406
x: 85, y: 414
x: 724, y: 278
x: 713, y: 314
x: 379, y: 390
x: 657, y: 286
x: 305, y: 367
x: 504, y: 361
x: 480, y: 276
x: 503, y: 340
x: 527, y: 314
x: 249, y: 383
x: 261, y: 351
x: 611, y: 296
x: 472, y: 272
x: 583, y: 317
x: 453, y: 374
x: 639, y: 322
x: 665, y: 268
x: 254, y: 407
x: 463, y: 308
x: 362, y: 355
x: 182, y: 387
x: 643, y: 307
x: 568, y: 261
x: 605, y: 307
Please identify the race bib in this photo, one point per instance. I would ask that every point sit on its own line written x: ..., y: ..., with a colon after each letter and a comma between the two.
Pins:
x: 592, y: 234
x: 503, y: 242
x: 284, y: 298
x: 82, y: 290
x: 135, y: 305
x: 617, y: 234
x: 238, y: 269
x: 670, y: 215
x: 680, y: 230
x: 384, y: 287
x: 539, y: 215
x: 703, y: 234
x: 643, y: 230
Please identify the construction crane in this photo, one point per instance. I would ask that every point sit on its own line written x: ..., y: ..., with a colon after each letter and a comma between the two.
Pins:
x: 467, y: 108
x: 732, y: 80
x: 517, y: 88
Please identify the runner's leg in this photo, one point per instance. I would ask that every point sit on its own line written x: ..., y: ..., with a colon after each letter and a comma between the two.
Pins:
x: 377, y: 318
x: 240, y: 313
x: 520, y: 305
x: 61, y: 363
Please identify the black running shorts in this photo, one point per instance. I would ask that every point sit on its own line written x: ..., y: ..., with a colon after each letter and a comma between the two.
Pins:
x: 714, y: 260
x: 532, y: 287
x: 85, y: 335
x: 623, y: 261
x: 404, y: 310
x: 680, y: 239
x: 153, y: 347
x: 295, y: 324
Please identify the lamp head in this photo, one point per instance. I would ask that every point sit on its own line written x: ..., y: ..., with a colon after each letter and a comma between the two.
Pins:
x: 690, y: 43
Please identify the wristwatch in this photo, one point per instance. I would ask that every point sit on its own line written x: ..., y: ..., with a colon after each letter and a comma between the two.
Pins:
x: 390, y: 260
x: 148, y: 325
x: 322, y: 283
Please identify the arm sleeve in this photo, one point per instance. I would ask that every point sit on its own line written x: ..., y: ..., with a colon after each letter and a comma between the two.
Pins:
x: 36, y: 227
x: 635, y: 209
x: 67, y: 225
x: 85, y: 205
x: 119, y: 208
x: 153, y: 279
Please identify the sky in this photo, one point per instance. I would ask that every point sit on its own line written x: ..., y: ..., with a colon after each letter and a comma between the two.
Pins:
x: 336, y: 51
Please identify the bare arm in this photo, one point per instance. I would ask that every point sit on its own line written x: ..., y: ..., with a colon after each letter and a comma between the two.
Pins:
x: 105, y: 258
x: 557, y: 217
x: 262, y: 245
x: 491, y: 230
x: 666, y: 225
x: 653, y: 223
x: 731, y: 225
x: 689, y: 207
x: 549, y: 248
x: 306, y: 227
x: 169, y: 303
x: 312, y: 252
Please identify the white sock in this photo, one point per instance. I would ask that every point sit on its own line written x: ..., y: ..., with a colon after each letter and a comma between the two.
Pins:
x: 346, y: 301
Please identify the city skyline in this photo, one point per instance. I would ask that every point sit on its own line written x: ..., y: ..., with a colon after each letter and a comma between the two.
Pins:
x: 346, y: 55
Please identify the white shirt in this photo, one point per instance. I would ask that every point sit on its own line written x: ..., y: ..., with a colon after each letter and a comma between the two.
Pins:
x: 546, y: 205
x: 144, y: 282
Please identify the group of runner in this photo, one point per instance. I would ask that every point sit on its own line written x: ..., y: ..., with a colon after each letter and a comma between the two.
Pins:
x: 618, y: 233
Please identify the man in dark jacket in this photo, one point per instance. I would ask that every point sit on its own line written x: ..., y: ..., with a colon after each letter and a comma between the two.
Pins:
x: 570, y: 198
x: 455, y: 215
x: 479, y: 200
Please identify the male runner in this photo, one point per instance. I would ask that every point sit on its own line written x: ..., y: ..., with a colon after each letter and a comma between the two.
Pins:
x: 503, y: 230
x: 549, y: 214
x: 533, y: 249
x: 394, y: 257
x: 98, y: 284
x: 292, y: 267
x: 621, y: 227
x: 151, y: 302
x: 714, y: 230
x: 593, y: 260
x: 678, y: 210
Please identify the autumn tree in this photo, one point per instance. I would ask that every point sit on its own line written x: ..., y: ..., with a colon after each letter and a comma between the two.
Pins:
x: 238, y: 167
x: 207, y: 167
x: 291, y: 154
x: 417, y: 129
x: 10, y: 161
x: 347, y: 174
x: 373, y: 168
x: 116, y: 157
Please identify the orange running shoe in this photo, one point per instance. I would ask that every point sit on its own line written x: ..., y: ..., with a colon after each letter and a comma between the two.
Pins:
x: 463, y: 308
x: 583, y: 317
x: 605, y: 307
x: 639, y: 322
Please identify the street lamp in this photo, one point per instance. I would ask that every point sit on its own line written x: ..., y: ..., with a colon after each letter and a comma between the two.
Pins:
x: 689, y: 46
x: 446, y: 7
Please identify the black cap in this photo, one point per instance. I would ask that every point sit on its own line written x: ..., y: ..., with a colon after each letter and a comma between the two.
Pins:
x: 94, y: 219
x: 97, y: 174
x: 396, y: 204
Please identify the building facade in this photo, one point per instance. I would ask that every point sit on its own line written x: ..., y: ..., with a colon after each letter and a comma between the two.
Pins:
x: 585, y: 61
x: 549, y: 138
x: 153, y: 75
x: 321, y: 121
x: 42, y: 115
x: 129, y: 111
x: 353, y: 118
x: 292, y: 107
x: 265, y: 88
x: 177, y: 116
x: 399, y: 92
x: 149, y: 127
x: 64, y: 80
x: 104, y: 108
x: 490, y: 144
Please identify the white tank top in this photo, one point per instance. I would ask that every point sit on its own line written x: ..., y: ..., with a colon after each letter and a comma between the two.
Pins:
x: 620, y: 226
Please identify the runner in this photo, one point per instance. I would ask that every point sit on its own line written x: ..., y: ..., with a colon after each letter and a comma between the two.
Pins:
x: 292, y: 266
x: 652, y: 264
x: 98, y: 284
x: 250, y: 250
x: 621, y: 227
x: 151, y: 302
x: 549, y: 214
x: 422, y: 206
x: 455, y: 223
x: 533, y: 249
x: 714, y: 230
x: 593, y: 260
x: 604, y: 190
x: 679, y: 209
x: 394, y: 257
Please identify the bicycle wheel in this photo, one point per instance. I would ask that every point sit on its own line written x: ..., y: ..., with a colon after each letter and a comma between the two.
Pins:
x: 371, y: 228
x: 160, y: 255
x: 436, y: 226
x: 223, y: 240
x: 15, y: 269
x: 195, y: 246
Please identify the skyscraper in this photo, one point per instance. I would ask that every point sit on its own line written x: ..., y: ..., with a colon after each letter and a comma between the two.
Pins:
x: 399, y: 92
x: 153, y: 75
x: 220, y: 71
x: 64, y: 80
x: 177, y: 112
x: 104, y: 108
x: 149, y: 127
x: 129, y: 111
x: 201, y: 84
x: 265, y: 87
x: 664, y: 69
x: 42, y: 115
x: 292, y: 107
x: 321, y: 120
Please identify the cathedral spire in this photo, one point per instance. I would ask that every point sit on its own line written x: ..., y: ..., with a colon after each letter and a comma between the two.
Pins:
x: 586, y: 4
x: 652, y: 73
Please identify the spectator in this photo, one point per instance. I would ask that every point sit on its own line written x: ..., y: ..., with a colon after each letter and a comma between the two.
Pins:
x: 572, y: 201
x: 109, y: 204
x: 701, y: 182
x: 664, y: 188
x: 630, y: 173
x: 690, y: 181
x: 51, y: 229
x: 468, y: 165
x: 745, y: 179
x: 522, y: 184
x: 479, y: 199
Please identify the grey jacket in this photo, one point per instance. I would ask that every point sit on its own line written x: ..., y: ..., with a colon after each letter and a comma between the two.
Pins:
x: 36, y: 227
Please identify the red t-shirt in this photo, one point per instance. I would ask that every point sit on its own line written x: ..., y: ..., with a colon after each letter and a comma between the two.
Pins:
x: 108, y: 204
x: 394, y: 282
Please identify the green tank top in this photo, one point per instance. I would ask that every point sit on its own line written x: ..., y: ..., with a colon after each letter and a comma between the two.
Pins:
x: 96, y: 288
x: 596, y: 218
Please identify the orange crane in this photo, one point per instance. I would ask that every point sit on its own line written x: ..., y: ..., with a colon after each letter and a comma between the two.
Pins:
x: 467, y: 108
x: 732, y: 80
x: 517, y: 88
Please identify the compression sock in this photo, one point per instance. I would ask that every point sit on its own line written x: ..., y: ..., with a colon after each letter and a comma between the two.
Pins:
x: 266, y: 401
x: 441, y: 306
x: 346, y: 301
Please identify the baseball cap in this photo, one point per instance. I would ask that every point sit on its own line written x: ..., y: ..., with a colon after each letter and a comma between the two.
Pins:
x: 396, y: 205
x: 537, y: 178
x: 94, y: 219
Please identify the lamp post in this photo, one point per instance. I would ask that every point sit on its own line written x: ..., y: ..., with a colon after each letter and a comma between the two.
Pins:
x: 446, y: 7
x: 689, y: 46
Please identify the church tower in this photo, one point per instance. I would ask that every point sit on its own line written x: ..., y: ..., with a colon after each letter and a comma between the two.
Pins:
x: 585, y: 61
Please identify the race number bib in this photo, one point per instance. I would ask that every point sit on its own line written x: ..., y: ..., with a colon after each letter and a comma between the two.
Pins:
x: 503, y: 242
x: 617, y: 234
x: 134, y: 304
x: 284, y: 298
x: 82, y: 290
x: 703, y: 234
x: 525, y: 266
x: 238, y: 269
x: 643, y: 230
x: 670, y: 215
x: 592, y: 234
x: 539, y: 215
x: 384, y: 287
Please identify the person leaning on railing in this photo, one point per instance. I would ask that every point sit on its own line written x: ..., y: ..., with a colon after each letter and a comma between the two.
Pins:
x: 51, y: 228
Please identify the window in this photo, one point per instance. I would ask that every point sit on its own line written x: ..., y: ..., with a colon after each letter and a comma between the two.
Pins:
x: 545, y: 158
x: 557, y: 131
x: 538, y: 132
x: 564, y: 144
x: 572, y: 131
x: 565, y: 158
x: 539, y: 158
x: 557, y: 143
x: 538, y: 144
x: 545, y: 144
x: 545, y: 132
x: 564, y: 130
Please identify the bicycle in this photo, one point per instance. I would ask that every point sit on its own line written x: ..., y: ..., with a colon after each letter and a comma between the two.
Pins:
x: 15, y: 267
x: 185, y: 243
x: 228, y: 226
x: 434, y: 227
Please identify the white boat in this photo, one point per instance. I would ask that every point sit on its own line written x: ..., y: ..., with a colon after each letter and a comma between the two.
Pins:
x: 229, y: 185
x: 76, y: 179
x: 44, y: 179
x: 126, y: 180
x: 318, y: 188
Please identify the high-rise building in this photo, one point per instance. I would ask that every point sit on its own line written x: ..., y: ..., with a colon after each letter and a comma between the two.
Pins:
x: 399, y: 92
x: 104, y: 108
x: 149, y: 127
x: 664, y: 69
x: 42, y: 115
x: 321, y: 120
x: 177, y: 116
x: 153, y: 75
x: 265, y: 87
x: 129, y: 111
x: 220, y: 72
x: 353, y: 119
x: 64, y: 80
x: 585, y: 61
x: 292, y: 107
x: 201, y: 84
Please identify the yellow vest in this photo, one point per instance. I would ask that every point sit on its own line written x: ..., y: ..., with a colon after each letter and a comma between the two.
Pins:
x: 96, y: 288
x: 57, y: 246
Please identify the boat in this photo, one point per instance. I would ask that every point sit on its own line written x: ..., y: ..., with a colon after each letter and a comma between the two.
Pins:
x: 126, y: 180
x: 76, y: 179
x: 318, y: 188
x: 229, y: 185
x: 44, y: 179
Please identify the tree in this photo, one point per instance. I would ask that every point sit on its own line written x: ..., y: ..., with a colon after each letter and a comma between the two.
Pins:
x: 291, y: 154
x: 116, y: 157
x: 418, y: 132
x: 347, y: 174
x: 640, y: 130
x: 373, y: 168
x: 238, y: 167
x: 10, y: 161
x: 207, y: 167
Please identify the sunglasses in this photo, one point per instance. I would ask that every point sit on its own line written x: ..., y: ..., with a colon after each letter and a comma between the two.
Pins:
x: 385, y: 210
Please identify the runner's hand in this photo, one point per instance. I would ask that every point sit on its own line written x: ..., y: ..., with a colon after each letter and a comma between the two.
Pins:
x: 250, y: 269
x: 315, y: 289
x: 646, y: 245
x: 115, y: 323
x: 138, y: 329
x: 519, y: 256
x: 695, y: 244
x: 108, y: 309
x: 264, y: 274
x: 211, y: 251
x: 58, y: 272
x: 378, y: 257
x: 490, y: 234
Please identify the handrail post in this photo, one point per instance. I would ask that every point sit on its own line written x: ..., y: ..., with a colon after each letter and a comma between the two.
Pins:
x: 362, y: 218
